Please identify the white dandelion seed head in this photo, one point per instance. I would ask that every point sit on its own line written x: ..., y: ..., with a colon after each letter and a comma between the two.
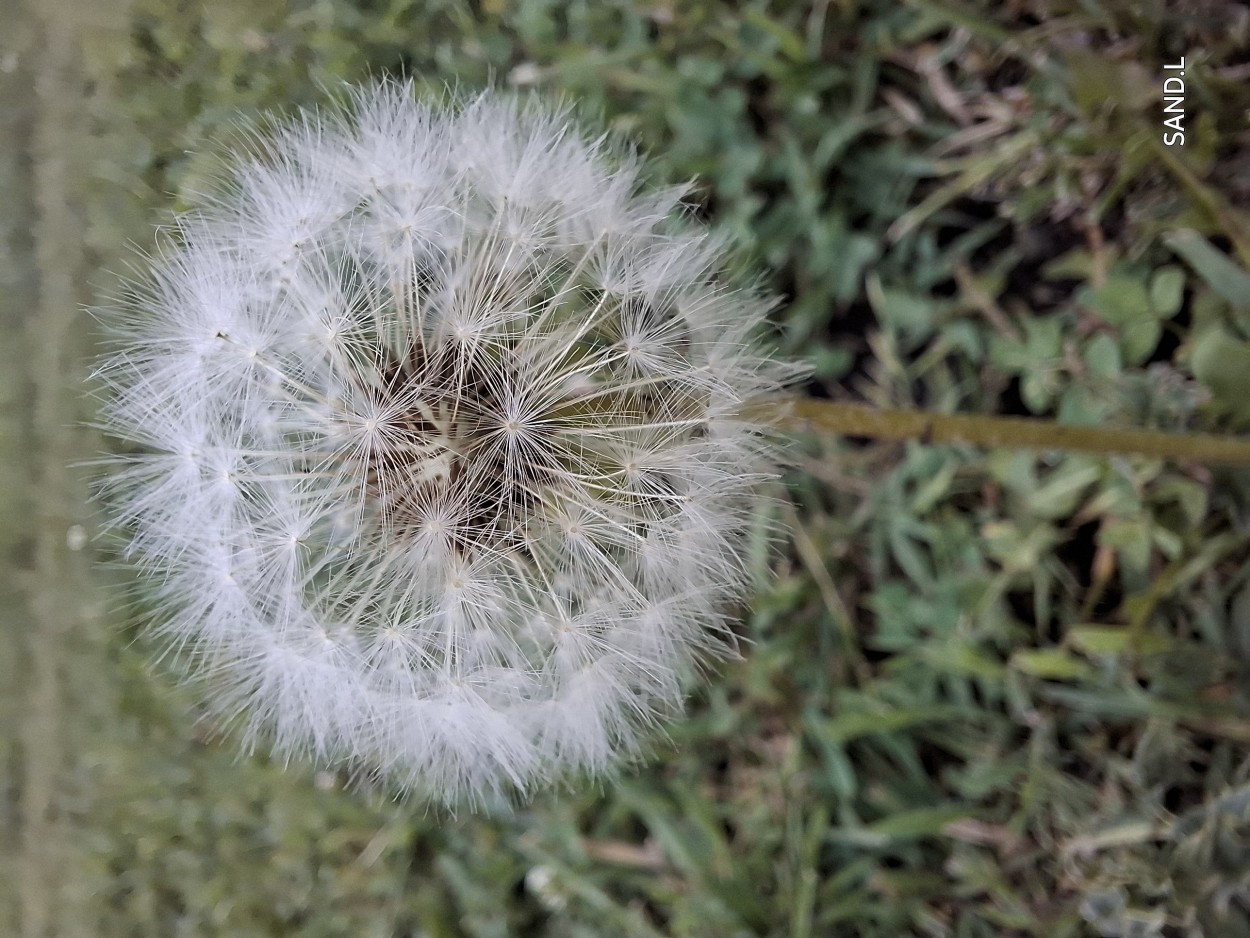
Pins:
x: 445, y: 471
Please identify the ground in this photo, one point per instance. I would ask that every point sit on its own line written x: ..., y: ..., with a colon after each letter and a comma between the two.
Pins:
x: 980, y: 693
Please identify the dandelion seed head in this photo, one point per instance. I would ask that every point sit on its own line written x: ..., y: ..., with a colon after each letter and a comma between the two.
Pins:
x: 445, y: 472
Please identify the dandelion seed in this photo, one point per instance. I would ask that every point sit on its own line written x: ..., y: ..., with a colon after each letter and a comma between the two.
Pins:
x: 445, y: 473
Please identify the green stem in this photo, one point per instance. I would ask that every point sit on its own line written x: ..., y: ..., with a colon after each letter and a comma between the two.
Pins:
x: 821, y: 416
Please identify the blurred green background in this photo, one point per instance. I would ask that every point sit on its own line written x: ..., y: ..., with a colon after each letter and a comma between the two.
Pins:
x: 983, y: 694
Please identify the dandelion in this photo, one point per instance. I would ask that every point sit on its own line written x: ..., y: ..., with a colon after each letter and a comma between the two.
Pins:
x: 444, y: 470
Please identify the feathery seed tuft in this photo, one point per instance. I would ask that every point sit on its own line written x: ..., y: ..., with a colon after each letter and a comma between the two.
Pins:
x: 445, y: 472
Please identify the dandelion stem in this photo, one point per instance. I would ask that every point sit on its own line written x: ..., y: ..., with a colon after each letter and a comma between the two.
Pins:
x: 991, y: 432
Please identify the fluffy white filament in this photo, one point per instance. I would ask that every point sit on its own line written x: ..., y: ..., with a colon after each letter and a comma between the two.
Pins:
x: 443, y: 472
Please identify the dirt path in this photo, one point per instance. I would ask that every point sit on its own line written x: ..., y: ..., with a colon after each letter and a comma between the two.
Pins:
x: 54, y: 684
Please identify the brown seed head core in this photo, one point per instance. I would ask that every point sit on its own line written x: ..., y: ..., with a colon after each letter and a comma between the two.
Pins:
x: 441, y: 412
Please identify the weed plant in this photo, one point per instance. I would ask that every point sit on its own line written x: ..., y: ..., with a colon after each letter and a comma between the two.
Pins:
x: 982, y: 693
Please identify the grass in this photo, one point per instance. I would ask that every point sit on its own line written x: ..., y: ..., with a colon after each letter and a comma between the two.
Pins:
x: 985, y: 693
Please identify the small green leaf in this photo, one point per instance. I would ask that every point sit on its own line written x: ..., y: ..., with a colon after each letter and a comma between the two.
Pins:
x: 1121, y: 301
x: 910, y: 315
x: 1193, y: 498
x: 1167, y: 290
x: 1222, y: 363
x: 1130, y: 538
x: 1050, y: 663
x: 853, y: 724
x: 1081, y: 407
x: 1061, y: 493
x: 962, y: 658
x: 919, y: 822
x: 830, y: 363
x: 1102, y: 356
x: 1077, y: 264
x: 1217, y: 269
x: 1139, y: 339
x: 1037, y: 390
x: 1115, y: 640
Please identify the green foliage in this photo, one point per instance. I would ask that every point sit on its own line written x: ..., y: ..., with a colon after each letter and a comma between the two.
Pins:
x: 984, y: 694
